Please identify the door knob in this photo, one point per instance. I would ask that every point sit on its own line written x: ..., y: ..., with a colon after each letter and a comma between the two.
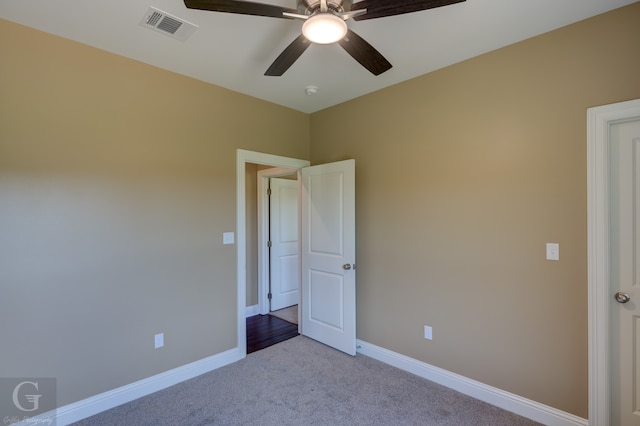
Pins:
x: 346, y: 266
x: 622, y: 297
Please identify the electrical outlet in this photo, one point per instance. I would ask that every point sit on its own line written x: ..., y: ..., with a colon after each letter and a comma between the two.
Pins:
x: 428, y: 332
x: 159, y: 340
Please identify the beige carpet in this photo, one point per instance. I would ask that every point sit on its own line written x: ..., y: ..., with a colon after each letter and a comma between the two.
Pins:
x: 288, y: 314
x: 302, y: 382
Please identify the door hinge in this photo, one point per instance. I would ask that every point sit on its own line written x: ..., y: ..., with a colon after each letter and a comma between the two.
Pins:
x: 269, y: 191
x: 268, y: 243
x: 269, y: 296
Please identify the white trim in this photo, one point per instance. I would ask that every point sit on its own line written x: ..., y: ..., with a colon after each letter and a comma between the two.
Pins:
x: 252, y: 310
x: 242, y: 158
x: 96, y: 404
x: 508, y: 401
x: 599, y: 120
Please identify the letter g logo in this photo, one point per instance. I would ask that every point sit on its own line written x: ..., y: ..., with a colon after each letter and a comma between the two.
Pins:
x: 33, y: 399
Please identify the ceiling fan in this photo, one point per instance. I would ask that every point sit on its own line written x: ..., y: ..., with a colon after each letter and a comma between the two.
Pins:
x: 325, y: 23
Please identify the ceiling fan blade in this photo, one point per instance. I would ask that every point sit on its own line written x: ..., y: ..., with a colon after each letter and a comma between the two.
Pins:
x: 364, y: 53
x: 288, y: 56
x: 243, y: 7
x: 382, y: 8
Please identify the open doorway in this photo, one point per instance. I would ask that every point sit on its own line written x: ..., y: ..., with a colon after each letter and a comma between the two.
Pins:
x: 327, y: 230
x: 247, y: 237
x: 273, y: 262
x: 278, y: 243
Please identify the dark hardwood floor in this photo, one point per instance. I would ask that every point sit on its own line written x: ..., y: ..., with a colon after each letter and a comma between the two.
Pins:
x: 266, y: 330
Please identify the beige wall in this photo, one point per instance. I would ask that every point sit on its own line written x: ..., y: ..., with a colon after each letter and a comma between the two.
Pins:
x: 117, y: 181
x: 462, y: 177
x: 251, y: 217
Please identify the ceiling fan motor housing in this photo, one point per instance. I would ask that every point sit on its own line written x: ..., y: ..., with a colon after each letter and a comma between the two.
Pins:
x: 309, y: 7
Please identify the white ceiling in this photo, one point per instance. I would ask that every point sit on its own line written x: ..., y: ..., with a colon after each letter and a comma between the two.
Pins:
x: 233, y: 51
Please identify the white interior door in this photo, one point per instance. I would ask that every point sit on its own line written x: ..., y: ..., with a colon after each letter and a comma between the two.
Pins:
x: 624, y: 155
x: 328, y: 312
x: 284, y: 259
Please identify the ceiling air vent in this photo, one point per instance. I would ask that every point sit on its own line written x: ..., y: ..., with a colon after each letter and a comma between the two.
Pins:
x: 164, y: 23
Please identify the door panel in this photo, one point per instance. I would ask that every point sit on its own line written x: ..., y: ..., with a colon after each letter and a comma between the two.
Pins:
x: 285, y: 262
x: 624, y: 154
x: 326, y: 302
x: 325, y: 215
x: 328, y: 243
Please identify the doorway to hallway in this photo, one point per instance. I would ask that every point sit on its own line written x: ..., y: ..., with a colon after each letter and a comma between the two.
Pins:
x: 277, y: 263
x: 327, y: 248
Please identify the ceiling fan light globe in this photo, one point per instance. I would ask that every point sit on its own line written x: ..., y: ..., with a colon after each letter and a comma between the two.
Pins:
x: 324, y: 28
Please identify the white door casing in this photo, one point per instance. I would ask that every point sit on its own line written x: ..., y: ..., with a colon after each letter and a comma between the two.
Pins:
x: 328, y: 254
x: 599, y: 136
x: 284, y: 259
x: 624, y: 186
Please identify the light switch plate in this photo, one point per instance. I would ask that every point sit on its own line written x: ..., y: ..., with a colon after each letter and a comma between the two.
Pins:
x: 553, y: 251
x: 228, y: 238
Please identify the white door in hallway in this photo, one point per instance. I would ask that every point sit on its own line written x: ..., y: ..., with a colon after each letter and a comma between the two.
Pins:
x: 284, y: 260
x: 624, y: 166
x: 328, y: 312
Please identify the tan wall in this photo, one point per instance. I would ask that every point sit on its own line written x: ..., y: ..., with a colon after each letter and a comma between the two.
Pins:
x: 117, y: 181
x: 251, y: 217
x: 462, y: 177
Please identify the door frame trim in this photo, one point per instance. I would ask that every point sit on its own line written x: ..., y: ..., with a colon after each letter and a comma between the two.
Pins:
x: 242, y: 158
x: 263, y: 232
x: 599, y: 120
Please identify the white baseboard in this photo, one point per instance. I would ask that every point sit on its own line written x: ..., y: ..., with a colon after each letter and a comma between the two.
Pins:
x: 252, y: 310
x: 516, y: 404
x: 96, y: 404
